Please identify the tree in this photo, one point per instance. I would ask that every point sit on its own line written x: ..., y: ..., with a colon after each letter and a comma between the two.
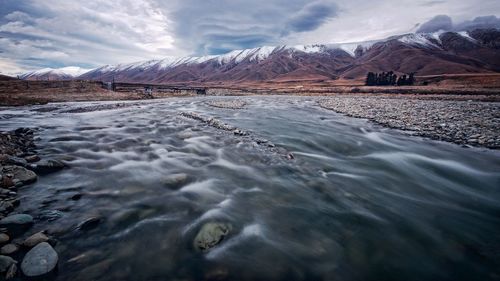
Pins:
x: 370, y: 79
x: 411, y: 79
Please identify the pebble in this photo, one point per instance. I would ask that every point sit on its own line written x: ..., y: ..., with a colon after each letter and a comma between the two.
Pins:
x: 40, y: 260
x: 6, y: 262
x: 4, y: 238
x: 457, y: 121
x: 35, y: 239
x: 9, y: 249
x: 47, y: 166
x: 18, y: 219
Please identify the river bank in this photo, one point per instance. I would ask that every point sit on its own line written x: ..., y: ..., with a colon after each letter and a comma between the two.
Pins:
x: 462, y: 122
x: 20, y: 166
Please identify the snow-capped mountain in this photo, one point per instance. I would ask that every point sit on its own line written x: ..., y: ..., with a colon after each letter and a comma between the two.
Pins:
x: 423, y: 53
x: 64, y: 73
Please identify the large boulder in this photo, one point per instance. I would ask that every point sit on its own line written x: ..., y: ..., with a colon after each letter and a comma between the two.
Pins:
x: 40, y: 260
x: 19, y: 175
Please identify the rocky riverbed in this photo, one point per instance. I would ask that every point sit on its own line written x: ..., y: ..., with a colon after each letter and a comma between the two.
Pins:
x: 19, y: 166
x: 463, y: 122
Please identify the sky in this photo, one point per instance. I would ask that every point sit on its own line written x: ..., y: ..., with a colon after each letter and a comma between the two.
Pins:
x: 36, y: 34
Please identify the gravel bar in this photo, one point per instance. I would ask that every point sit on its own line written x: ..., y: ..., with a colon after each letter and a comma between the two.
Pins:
x: 461, y: 122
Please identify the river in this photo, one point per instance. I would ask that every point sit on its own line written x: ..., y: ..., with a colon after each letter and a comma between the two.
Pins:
x: 356, y: 202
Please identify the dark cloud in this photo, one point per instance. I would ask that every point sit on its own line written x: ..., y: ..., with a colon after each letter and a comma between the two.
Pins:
x: 312, y: 16
x: 440, y: 22
x: 479, y: 22
x: 432, y: 3
x: 444, y: 22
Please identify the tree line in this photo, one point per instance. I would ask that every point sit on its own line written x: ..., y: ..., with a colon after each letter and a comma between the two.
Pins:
x: 389, y: 78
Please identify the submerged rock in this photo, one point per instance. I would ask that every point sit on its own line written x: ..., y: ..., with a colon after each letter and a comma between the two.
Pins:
x: 16, y: 220
x: 211, y: 234
x: 89, y: 223
x: 9, y: 249
x: 6, y: 262
x: 40, y: 260
x: 47, y: 166
x: 175, y: 181
x: 4, y: 238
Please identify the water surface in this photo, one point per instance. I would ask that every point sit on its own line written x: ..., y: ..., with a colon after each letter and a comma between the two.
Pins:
x: 358, y: 202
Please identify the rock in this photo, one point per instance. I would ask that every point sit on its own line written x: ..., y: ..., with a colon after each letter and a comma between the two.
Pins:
x: 76, y: 197
x: 4, y: 238
x: 9, y: 249
x: 5, y: 263
x: 89, y: 223
x: 11, y: 272
x: 16, y: 161
x: 175, y: 181
x: 40, y: 260
x: 47, y: 166
x: 20, y: 174
x: 210, y: 235
x: 35, y: 239
x: 18, y: 219
x: 32, y: 158
x: 5, y: 207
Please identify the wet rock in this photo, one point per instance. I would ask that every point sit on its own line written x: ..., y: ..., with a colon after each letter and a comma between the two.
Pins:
x: 210, y: 235
x: 5, y: 263
x: 5, y: 207
x: 9, y: 249
x: 32, y: 158
x: 40, y: 260
x: 17, y: 219
x: 47, y: 166
x: 19, y: 174
x: 4, y: 238
x: 76, y: 197
x: 89, y: 223
x: 11, y: 272
x: 16, y: 161
x: 175, y: 181
x: 35, y: 239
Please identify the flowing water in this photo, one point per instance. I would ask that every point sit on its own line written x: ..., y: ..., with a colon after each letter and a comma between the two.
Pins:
x: 358, y: 202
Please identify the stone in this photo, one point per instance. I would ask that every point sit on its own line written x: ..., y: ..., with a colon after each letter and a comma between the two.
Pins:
x: 32, y: 158
x: 17, y: 219
x: 9, y: 249
x: 21, y: 174
x: 89, y: 223
x: 175, y: 181
x: 40, y: 260
x: 4, y: 238
x: 210, y: 235
x: 35, y: 239
x: 47, y: 166
x: 5, y: 206
x: 11, y: 272
x: 6, y: 262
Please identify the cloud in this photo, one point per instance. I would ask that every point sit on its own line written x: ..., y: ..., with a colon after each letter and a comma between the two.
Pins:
x: 440, y: 22
x: 210, y: 27
x: 444, y: 22
x: 312, y: 16
x: 479, y: 22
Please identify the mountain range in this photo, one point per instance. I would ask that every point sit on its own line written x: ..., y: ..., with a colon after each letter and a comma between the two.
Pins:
x: 473, y: 51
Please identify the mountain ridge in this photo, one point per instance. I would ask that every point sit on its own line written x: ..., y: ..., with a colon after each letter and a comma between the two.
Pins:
x: 423, y: 53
